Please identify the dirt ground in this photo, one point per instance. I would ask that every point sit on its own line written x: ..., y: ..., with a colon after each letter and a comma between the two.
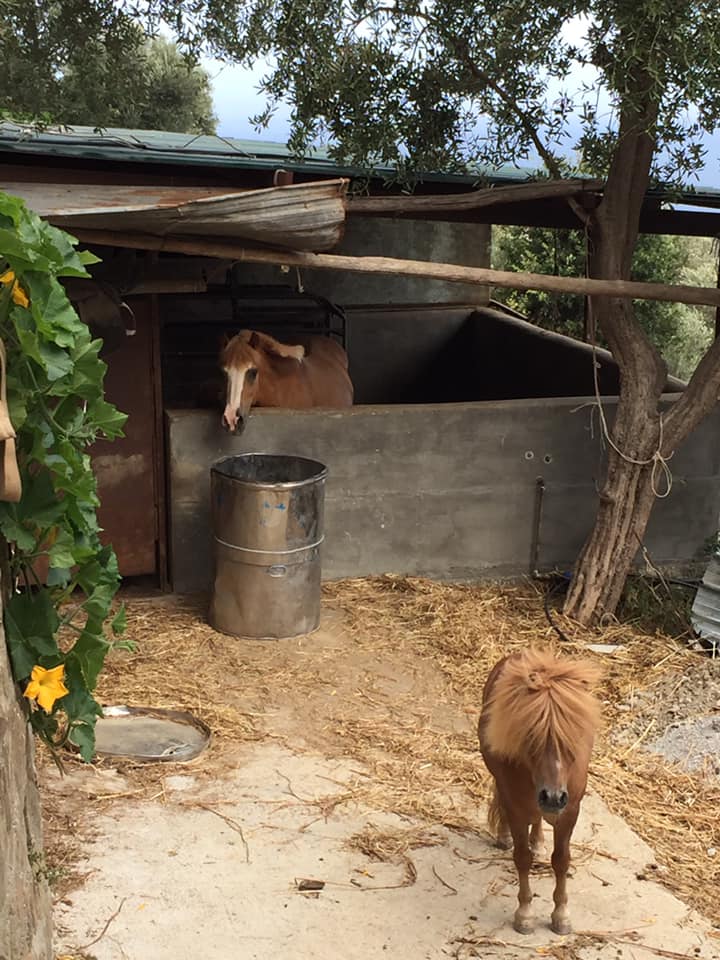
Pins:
x: 328, y: 763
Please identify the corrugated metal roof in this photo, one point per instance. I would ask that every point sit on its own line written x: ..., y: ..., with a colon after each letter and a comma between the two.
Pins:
x: 303, y: 216
x: 157, y: 146
x: 163, y: 147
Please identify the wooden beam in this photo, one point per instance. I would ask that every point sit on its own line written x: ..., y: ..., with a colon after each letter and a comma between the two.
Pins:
x: 420, y: 206
x: 683, y: 223
x: 155, y: 287
x: 416, y: 268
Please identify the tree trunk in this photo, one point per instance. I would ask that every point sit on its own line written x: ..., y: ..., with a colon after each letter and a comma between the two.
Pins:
x: 627, y: 496
x: 25, y: 907
x: 626, y: 501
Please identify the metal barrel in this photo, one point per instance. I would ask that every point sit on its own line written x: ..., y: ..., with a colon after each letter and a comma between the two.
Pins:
x: 267, y: 515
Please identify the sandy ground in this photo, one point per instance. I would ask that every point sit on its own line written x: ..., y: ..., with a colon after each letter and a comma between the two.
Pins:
x: 209, y: 864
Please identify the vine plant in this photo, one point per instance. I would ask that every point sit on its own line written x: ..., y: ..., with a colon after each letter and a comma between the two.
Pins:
x: 59, y: 580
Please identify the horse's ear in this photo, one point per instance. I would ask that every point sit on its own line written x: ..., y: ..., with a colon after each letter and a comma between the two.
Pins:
x: 224, y: 339
x: 271, y: 345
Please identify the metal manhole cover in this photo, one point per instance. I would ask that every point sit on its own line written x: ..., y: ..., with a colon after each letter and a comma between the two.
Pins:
x: 149, y: 734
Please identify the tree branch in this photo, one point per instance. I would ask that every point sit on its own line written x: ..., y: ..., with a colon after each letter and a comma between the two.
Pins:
x: 481, y: 77
x: 698, y: 400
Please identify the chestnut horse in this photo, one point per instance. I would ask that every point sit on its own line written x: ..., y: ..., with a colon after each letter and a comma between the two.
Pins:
x: 537, y: 729
x: 264, y: 372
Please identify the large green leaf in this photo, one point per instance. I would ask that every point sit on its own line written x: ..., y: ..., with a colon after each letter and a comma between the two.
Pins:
x: 79, y: 704
x: 107, y: 418
x: 40, y: 503
x: 53, y: 313
x: 119, y: 621
x: 90, y: 649
x: 32, y: 620
x: 55, y: 360
x: 83, y: 736
x: 62, y: 553
x: 13, y: 530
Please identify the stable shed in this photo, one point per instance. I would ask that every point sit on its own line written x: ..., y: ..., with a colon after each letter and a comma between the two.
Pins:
x: 474, y: 448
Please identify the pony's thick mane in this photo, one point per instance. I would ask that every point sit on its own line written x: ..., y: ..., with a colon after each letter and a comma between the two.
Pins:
x: 539, y: 698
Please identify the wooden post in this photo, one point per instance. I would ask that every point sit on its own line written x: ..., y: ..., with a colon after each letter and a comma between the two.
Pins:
x: 582, y: 286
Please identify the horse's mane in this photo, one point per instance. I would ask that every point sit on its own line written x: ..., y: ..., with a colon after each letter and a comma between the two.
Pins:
x: 538, y: 698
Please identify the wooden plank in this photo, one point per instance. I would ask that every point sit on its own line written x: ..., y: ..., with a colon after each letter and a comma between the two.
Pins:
x: 582, y: 286
x: 125, y: 467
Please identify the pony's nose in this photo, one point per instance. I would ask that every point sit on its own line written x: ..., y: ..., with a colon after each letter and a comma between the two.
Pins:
x: 552, y: 801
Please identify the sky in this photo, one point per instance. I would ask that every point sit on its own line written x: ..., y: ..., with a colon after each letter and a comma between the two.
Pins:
x: 236, y: 99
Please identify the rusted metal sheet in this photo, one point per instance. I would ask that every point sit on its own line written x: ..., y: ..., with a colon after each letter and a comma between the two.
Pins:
x: 125, y: 468
x: 705, y: 613
x: 304, y: 216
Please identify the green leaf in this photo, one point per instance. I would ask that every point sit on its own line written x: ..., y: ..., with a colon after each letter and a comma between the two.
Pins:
x: 86, y: 257
x: 55, y: 360
x: 79, y: 704
x: 13, y: 530
x: 52, y: 311
x: 107, y: 418
x: 40, y: 504
x: 31, y: 620
x: 88, y: 370
x: 22, y: 658
x: 62, y: 552
x: 90, y: 650
x: 119, y: 621
x: 83, y: 736
x: 58, y: 577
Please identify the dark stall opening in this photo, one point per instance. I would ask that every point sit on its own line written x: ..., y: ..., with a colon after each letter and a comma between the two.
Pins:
x: 409, y: 354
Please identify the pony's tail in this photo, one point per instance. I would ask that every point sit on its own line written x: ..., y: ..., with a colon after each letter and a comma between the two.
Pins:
x: 497, y: 822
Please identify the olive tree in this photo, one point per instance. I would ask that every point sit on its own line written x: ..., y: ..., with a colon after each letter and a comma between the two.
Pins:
x: 452, y: 84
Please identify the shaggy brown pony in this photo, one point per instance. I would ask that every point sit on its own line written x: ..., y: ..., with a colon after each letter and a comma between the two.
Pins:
x: 537, y: 728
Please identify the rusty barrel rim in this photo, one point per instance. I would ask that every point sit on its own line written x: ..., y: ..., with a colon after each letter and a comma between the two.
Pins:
x: 319, y: 471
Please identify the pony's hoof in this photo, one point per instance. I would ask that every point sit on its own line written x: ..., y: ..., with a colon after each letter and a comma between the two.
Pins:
x: 561, y: 926
x: 524, y: 925
x: 503, y: 843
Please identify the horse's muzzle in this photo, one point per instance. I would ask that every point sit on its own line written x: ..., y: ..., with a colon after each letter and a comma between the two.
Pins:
x: 552, y: 801
x: 234, y: 423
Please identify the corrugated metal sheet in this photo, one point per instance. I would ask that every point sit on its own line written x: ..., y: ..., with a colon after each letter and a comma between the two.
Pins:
x: 159, y: 146
x: 705, y: 613
x: 303, y: 216
x: 156, y: 146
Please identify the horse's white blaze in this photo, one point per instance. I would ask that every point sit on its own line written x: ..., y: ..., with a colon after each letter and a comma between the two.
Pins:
x: 236, y: 381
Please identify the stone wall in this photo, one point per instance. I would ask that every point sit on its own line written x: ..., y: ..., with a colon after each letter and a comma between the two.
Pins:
x: 25, y: 906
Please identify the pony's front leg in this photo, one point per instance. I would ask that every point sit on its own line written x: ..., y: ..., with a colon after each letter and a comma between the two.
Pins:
x: 560, y: 920
x: 522, y: 855
x: 536, y: 837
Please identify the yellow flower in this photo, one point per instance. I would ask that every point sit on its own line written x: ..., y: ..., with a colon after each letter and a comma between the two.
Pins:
x: 46, y: 686
x: 18, y: 294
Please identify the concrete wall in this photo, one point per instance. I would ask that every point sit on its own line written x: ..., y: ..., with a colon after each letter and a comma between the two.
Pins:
x: 446, y: 491
x: 467, y: 244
